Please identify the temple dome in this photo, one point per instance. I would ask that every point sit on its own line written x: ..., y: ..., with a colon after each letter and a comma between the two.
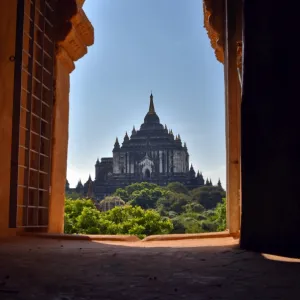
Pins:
x: 151, y: 119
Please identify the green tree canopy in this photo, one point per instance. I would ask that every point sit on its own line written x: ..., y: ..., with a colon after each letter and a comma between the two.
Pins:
x: 208, y: 196
x: 177, y: 187
x: 110, y: 202
x: 73, y: 195
x: 171, y: 201
x: 81, y: 216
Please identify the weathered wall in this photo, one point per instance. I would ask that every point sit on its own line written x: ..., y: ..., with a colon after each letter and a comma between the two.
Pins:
x: 7, y: 49
x: 270, y: 129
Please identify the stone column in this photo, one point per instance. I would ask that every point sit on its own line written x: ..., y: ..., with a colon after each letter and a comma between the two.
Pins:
x: 233, y: 124
x: 128, y: 162
x: 7, y: 40
x: 64, y: 66
x: 160, y: 162
x: 72, y: 48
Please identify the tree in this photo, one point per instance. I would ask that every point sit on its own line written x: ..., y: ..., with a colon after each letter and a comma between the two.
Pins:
x: 220, y: 184
x: 142, y: 198
x: 123, y: 194
x: 177, y: 187
x: 140, y: 186
x: 134, y: 220
x: 73, y: 195
x: 220, y: 213
x: 74, y: 208
x: 110, y: 202
x: 208, y: 196
x: 81, y: 216
x: 88, y: 221
x: 194, y: 207
x: 216, y: 219
x: 187, y: 223
x: 171, y: 201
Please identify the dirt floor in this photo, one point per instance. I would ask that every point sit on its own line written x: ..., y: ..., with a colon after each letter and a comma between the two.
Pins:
x: 190, y: 269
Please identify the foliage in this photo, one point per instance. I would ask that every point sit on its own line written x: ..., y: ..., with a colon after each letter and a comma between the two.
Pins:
x: 218, y: 217
x: 123, y: 194
x: 172, y: 202
x: 177, y: 187
x: 151, y: 209
x: 135, y: 221
x: 81, y: 216
x: 145, y: 198
x: 73, y: 195
x: 208, y: 196
x: 110, y: 202
x: 75, y: 213
x: 221, y: 215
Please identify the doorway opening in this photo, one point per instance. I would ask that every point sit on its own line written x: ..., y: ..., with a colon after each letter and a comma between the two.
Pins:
x: 147, y: 174
x: 199, y: 211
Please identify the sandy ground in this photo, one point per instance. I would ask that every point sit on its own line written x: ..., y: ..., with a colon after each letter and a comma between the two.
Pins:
x: 32, y: 268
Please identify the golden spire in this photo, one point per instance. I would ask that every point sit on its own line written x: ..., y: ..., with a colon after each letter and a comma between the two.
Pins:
x: 151, y: 106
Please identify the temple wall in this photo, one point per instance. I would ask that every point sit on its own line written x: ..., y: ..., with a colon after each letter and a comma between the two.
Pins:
x: 116, y: 163
x: 177, y: 161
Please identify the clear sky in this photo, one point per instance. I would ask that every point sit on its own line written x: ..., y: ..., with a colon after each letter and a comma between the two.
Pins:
x: 144, y: 45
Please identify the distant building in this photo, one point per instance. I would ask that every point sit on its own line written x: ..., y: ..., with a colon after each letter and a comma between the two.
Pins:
x: 151, y: 154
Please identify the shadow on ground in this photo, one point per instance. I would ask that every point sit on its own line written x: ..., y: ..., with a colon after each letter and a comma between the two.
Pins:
x: 32, y: 268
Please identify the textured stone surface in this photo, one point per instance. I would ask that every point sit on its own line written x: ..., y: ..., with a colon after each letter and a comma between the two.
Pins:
x: 190, y: 269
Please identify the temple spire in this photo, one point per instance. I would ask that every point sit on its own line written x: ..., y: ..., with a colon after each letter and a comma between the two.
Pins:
x: 151, y: 106
x: 126, y: 138
x: 133, y: 130
x: 117, y: 145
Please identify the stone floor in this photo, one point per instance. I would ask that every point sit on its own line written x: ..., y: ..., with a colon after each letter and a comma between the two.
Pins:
x: 191, y: 269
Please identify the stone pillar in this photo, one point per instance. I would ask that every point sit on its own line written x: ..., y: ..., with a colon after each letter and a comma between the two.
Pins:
x: 160, y: 162
x: 7, y: 40
x: 167, y: 161
x: 128, y: 163
x: 72, y: 48
x: 131, y: 165
x: 233, y: 124
x: 64, y: 66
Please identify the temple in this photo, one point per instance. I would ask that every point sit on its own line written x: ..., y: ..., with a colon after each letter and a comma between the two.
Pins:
x: 151, y: 154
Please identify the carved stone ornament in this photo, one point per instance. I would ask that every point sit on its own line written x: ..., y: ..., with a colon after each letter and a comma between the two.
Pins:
x: 79, y: 35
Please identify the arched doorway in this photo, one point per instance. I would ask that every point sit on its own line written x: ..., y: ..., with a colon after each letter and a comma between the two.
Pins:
x: 147, y: 174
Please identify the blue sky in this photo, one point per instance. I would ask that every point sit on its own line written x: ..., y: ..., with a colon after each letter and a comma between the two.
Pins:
x: 144, y: 45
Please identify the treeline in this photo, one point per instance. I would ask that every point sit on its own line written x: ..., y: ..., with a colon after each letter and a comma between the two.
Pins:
x: 150, y: 209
